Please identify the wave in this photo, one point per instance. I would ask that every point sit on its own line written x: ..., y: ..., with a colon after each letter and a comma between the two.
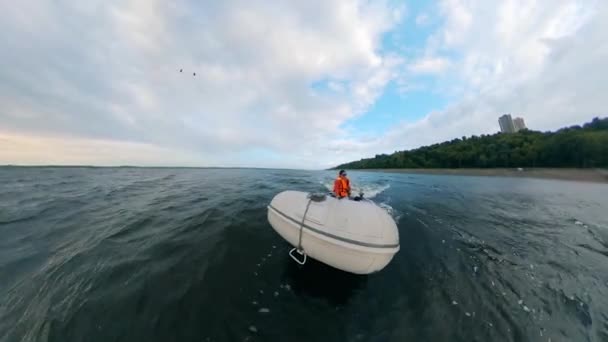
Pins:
x: 371, y: 190
x: 395, y: 214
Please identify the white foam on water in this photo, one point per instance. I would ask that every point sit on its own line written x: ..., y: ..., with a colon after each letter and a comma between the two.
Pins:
x: 395, y: 214
x: 329, y: 185
x: 422, y: 222
x: 369, y: 190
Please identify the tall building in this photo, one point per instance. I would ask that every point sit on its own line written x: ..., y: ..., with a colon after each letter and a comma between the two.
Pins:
x: 519, y: 124
x: 506, y: 124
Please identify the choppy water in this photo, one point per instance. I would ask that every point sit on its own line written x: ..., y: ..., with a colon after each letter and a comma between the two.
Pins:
x: 187, y: 255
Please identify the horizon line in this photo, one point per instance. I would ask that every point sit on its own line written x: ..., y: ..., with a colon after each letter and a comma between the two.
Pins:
x: 149, y: 167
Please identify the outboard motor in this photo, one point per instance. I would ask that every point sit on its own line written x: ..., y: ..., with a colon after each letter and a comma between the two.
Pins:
x: 360, y: 197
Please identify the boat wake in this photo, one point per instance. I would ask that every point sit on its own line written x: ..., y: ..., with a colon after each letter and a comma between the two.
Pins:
x: 396, y: 214
x: 369, y: 190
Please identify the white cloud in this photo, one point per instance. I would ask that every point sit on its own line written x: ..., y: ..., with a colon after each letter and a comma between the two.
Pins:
x: 458, y: 15
x: 507, y: 43
x: 109, y: 71
x: 429, y: 65
x: 20, y: 149
x: 422, y: 19
x: 106, y: 73
x: 547, y: 62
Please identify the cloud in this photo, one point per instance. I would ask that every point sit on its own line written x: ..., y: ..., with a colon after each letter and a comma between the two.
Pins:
x: 507, y: 43
x: 458, y: 16
x: 109, y: 70
x: 429, y: 65
x: 545, y: 62
x: 104, y: 75
x: 22, y: 149
x: 422, y: 19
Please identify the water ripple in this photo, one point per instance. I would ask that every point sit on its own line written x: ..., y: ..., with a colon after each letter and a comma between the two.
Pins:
x: 187, y: 254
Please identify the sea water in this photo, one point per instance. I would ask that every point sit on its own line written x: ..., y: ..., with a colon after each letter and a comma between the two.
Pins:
x: 137, y: 254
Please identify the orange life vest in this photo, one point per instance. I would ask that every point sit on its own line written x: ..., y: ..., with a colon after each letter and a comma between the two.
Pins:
x: 342, y: 187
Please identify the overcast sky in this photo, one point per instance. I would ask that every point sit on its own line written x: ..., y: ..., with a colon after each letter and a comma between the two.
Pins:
x: 295, y: 84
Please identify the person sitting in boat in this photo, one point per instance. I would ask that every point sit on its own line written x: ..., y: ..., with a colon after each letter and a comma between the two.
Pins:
x: 342, y: 185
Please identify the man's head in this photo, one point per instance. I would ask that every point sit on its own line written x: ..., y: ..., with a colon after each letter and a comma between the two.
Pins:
x: 342, y: 173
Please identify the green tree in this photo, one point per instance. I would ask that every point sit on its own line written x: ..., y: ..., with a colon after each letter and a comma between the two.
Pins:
x: 575, y: 146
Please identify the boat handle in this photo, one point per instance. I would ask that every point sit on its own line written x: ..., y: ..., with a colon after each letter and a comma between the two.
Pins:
x: 295, y: 258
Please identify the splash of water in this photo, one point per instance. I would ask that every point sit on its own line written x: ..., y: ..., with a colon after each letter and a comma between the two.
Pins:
x: 395, y: 214
x: 369, y: 190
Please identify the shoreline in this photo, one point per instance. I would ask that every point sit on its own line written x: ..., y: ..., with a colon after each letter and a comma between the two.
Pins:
x: 566, y: 174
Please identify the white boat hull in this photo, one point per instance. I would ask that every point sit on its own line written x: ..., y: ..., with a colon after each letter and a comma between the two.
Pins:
x: 356, y: 237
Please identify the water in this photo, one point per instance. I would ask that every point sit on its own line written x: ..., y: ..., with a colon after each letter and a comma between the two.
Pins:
x: 124, y: 254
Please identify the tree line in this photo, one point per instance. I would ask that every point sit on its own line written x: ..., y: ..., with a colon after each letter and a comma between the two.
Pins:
x: 576, y: 146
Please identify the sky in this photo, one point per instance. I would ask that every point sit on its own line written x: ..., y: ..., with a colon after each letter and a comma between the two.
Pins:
x: 286, y: 84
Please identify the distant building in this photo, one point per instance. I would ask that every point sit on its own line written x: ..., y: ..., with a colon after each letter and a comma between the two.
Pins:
x: 519, y: 124
x: 506, y: 124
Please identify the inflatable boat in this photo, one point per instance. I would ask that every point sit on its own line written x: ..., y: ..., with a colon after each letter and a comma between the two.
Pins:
x: 353, y: 236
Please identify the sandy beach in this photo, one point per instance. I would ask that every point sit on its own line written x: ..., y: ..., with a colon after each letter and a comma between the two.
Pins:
x: 584, y: 175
